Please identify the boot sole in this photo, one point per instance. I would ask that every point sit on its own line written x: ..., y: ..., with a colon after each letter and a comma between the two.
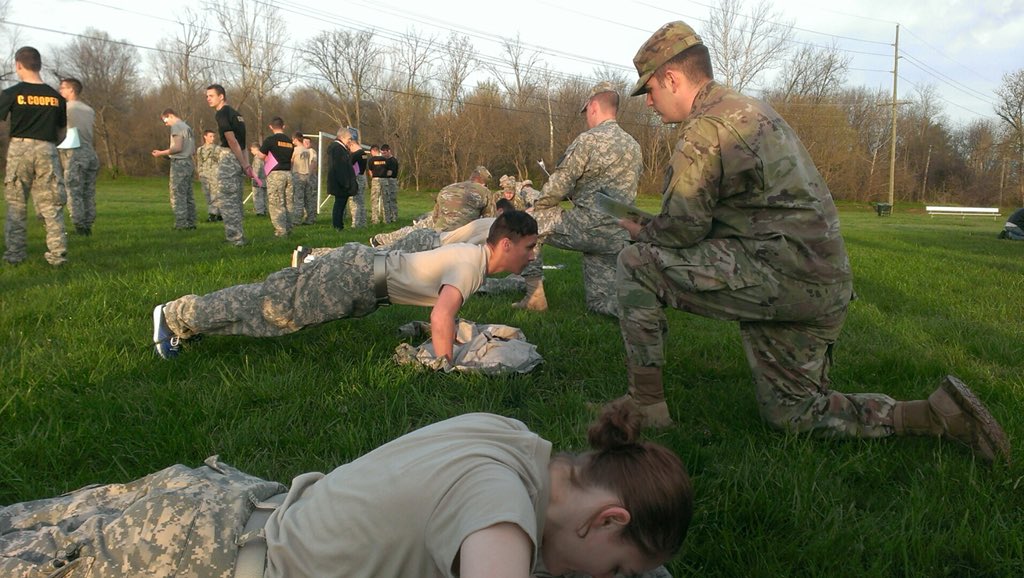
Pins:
x: 969, y: 402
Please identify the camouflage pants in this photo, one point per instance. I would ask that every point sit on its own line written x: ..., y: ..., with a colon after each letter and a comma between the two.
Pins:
x: 788, y: 328
x: 357, y: 204
x: 377, y: 194
x: 390, y: 200
x: 178, y: 522
x: 279, y: 195
x: 334, y: 286
x: 259, y: 200
x: 600, y: 243
x: 33, y: 169
x: 304, y: 199
x: 230, y: 181
x: 209, y: 185
x: 183, y: 201
x: 80, y: 169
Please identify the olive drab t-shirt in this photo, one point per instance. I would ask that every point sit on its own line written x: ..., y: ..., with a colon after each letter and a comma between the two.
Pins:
x: 417, y: 278
x: 405, y: 508
x: 37, y: 111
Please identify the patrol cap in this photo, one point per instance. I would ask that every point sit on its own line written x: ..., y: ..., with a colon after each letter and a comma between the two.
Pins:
x: 670, y: 40
x: 507, y: 182
x: 603, y: 86
x: 482, y: 172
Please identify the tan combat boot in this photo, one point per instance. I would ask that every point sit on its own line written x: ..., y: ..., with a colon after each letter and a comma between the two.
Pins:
x: 954, y: 412
x: 535, y: 299
x: 647, y: 393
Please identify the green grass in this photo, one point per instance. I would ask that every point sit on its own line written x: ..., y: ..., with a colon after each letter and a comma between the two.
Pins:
x: 83, y: 399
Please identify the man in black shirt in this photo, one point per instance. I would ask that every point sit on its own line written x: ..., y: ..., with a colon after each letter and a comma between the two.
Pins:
x: 357, y: 210
x: 233, y: 164
x: 279, y: 178
x: 38, y: 121
x: 378, y: 168
x: 390, y: 184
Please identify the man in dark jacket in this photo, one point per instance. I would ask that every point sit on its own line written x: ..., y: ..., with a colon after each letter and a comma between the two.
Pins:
x: 341, y: 178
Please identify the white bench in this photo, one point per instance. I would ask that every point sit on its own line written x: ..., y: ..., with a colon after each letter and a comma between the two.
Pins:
x: 964, y: 211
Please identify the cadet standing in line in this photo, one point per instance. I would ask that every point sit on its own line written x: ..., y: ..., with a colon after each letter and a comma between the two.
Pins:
x: 206, y: 157
x: 357, y: 210
x: 279, y: 179
x: 391, y: 184
x: 748, y: 232
x: 303, y: 181
x: 605, y: 159
x: 352, y: 281
x: 80, y: 164
x: 38, y: 121
x: 377, y: 165
x: 259, y: 182
x: 232, y: 163
x: 182, y: 145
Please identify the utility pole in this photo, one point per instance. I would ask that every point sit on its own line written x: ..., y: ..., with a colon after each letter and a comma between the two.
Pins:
x: 892, y: 144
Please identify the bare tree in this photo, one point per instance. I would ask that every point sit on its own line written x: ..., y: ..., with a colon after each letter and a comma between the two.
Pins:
x: 108, y: 70
x: 743, y: 47
x: 9, y: 41
x: 349, y: 63
x: 252, y: 33
x: 1010, y: 110
x: 813, y: 74
x: 456, y: 64
x: 186, y: 64
x: 413, y: 58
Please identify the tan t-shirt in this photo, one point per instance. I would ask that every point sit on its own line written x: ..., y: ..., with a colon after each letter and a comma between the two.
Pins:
x: 416, y: 278
x: 475, y: 232
x: 405, y: 508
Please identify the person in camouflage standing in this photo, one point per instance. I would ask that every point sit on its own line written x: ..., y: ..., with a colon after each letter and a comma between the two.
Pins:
x: 232, y: 163
x: 259, y: 182
x: 38, y: 121
x: 80, y: 164
x: 179, y: 152
x: 357, y: 206
x: 377, y: 166
x: 748, y: 232
x: 605, y: 159
x: 280, y: 194
x: 390, y: 184
x: 206, y: 157
x: 304, y: 181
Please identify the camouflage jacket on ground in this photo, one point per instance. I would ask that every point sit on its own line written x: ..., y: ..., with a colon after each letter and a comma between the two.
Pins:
x: 739, y: 171
x: 460, y: 203
x: 604, y: 158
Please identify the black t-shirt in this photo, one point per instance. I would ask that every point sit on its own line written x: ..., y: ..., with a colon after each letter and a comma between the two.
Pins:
x: 279, y: 145
x: 360, y: 157
x: 378, y: 167
x: 37, y: 111
x: 230, y: 120
x: 392, y: 165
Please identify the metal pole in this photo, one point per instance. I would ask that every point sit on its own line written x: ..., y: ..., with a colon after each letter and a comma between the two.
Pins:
x: 892, y: 145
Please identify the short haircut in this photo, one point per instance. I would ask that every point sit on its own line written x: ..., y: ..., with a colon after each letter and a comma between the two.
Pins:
x: 277, y: 122
x: 385, y: 147
x: 218, y: 89
x: 503, y: 205
x: 74, y: 84
x: 168, y: 111
x: 694, y: 63
x: 29, y: 58
x: 512, y: 225
x: 298, y: 135
x: 608, y: 99
x: 208, y: 131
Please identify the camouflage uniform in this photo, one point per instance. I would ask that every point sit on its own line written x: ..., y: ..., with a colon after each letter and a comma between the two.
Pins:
x: 34, y: 169
x: 377, y: 193
x: 459, y: 203
x: 207, y: 159
x: 183, y: 202
x: 748, y: 232
x: 603, y: 159
x: 279, y: 192
x: 357, y: 203
x: 304, y: 187
x: 81, y: 165
x: 179, y: 522
x: 259, y: 191
x: 391, y: 200
x: 334, y: 286
x: 229, y: 195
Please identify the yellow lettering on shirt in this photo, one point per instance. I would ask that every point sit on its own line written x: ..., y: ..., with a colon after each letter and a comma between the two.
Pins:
x: 35, y: 100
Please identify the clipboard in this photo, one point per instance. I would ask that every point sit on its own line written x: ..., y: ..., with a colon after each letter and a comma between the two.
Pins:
x: 71, y: 140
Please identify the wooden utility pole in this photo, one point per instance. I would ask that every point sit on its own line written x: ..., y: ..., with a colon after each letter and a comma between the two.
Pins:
x: 892, y: 145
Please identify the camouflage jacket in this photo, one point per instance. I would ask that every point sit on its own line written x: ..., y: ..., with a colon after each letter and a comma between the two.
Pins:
x: 604, y: 158
x: 206, y: 158
x: 460, y: 203
x: 740, y: 172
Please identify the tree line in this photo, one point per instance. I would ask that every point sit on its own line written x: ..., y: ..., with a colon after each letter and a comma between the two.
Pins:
x: 446, y: 108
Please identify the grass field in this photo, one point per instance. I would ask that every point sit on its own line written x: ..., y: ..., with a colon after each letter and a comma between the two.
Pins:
x: 83, y: 398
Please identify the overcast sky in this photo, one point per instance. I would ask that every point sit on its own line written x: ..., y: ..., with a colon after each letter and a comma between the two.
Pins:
x: 962, y: 48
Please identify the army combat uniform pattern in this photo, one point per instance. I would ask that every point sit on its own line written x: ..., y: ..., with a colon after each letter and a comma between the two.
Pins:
x: 603, y: 159
x: 207, y: 159
x: 727, y: 247
x: 81, y: 165
x: 179, y: 522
